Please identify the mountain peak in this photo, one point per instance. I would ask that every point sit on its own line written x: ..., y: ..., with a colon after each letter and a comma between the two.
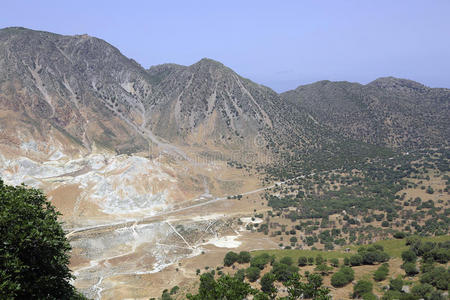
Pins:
x: 209, y: 63
x: 393, y: 82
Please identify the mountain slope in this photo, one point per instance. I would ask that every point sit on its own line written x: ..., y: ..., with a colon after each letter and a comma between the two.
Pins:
x: 77, y: 87
x: 209, y: 103
x: 388, y: 111
x: 79, y: 91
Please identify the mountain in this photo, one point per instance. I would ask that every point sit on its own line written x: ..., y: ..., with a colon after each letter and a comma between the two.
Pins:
x: 388, y: 111
x: 81, y: 91
x: 77, y: 90
x: 208, y: 103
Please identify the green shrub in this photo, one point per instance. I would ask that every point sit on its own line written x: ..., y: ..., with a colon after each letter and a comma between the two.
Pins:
x: 302, y: 261
x: 409, y: 256
x: 286, y: 260
x: 260, y: 261
x: 381, y: 273
x: 410, y: 269
x: 230, y: 258
x: 362, y: 287
x: 244, y: 257
x: 252, y: 273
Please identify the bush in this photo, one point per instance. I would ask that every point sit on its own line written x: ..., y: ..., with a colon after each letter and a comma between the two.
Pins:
x: 252, y: 273
x: 230, y: 258
x: 362, y: 287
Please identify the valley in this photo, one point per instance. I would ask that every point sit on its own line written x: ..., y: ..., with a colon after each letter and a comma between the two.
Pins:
x: 158, y: 173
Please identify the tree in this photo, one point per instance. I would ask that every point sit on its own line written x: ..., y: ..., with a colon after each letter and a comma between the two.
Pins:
x: 399, y: 235
x: 267, y: 284
x: 302, y: 261
x: 244, y: 257
x: 166, y: 295
x: 319, y: 259
x: 312, y: 289
x: 334, y: 262
x: 342, y: 277
x: 396, y: 284
x: 230, y: 258
x: 240, y: 274
x: 381, y: 273
x: 226, y: 287
x: 323, y: 269
x: 286, y: 260
x: 362, y: 287
x: 410, y: 269
x: 409, y: 256
x: 355, y: 260
x: 284, y: 272
x: 338, y: 279
x: 34, y: 251
x: 260, y: 261
x: 422, y: 290
x: 252, y: 273
x: 346, y: 261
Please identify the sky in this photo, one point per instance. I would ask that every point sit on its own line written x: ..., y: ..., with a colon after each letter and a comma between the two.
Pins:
x: 281, y: 44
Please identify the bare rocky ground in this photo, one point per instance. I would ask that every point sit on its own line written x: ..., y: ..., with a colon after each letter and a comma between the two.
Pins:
x: 138, y: 225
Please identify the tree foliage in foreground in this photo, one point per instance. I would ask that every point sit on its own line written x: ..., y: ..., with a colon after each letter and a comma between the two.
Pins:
x: 229, y: 287
x: 33, y: 250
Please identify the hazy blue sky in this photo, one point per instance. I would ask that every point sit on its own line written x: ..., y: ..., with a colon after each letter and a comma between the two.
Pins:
x: 281, y: 44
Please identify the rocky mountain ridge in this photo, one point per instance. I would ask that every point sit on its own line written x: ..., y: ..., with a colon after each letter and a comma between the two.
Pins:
x: 80, y: 92
x: 388, y: 111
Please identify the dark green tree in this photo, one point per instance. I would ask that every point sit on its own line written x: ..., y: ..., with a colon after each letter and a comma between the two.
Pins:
x: 302, y: 261
x: 267, y: 284
x: 226, y: 287
x: 230, y: 258
x: 361, y: 288
x: 244, y: 257
x: 34, y: 252
x: 252, y: 273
